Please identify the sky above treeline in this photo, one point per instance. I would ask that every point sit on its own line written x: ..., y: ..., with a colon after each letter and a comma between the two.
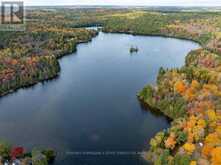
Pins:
x: 125, y: 2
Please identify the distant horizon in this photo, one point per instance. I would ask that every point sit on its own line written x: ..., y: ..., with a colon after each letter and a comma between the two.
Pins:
x: 188, y: 3
x: 60, y: 5
x: 122, y: 3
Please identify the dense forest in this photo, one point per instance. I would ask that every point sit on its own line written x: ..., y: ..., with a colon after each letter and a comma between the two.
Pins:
x: 31, y: 56
x: 190, y: 95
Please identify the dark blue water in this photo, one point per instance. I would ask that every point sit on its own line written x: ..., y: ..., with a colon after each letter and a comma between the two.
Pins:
x: 92, y: 106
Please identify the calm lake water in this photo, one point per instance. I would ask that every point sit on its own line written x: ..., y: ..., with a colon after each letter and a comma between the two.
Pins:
x: 92, y: 106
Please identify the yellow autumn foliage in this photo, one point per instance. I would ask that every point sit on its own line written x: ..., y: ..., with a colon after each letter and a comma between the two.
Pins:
x: 192, y: 121
x: 193, y: 163
x: 201, y: 123
x: 189, y: 148
x: 218, y: 130
x: 211, y: 87
x: 213, y: 139
x: 211, y: 115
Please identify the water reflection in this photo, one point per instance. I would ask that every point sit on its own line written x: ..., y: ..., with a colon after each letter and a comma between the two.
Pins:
x: 92, y: 106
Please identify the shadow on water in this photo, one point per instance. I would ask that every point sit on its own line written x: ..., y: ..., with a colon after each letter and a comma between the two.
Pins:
x: 156, y: 112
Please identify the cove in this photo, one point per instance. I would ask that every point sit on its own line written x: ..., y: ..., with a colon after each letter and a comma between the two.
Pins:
x: 92, y: 106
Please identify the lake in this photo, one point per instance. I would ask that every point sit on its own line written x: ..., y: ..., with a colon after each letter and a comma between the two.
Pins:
x: 90, y: 114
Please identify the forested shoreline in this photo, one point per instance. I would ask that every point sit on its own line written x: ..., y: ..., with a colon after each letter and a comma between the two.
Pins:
x: 189, y: 95
x: 29, y: 57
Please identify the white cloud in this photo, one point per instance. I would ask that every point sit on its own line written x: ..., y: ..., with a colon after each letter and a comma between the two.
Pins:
x: 127, y: 2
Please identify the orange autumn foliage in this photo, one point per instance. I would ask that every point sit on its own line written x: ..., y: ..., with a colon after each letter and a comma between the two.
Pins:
x: 190, y: 137
x: 180, y: 87
x: 195, y: 84
x: 207, y: 105
x: 14, y: 62
x: 189, y: 94
x: 170, y: 142
x: 216, y: 156
x: 206, y: 151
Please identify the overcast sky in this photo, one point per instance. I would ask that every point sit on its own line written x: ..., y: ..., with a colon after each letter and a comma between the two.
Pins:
x: 127, y: 2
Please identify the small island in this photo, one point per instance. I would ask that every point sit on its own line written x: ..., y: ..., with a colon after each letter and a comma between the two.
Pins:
x: 134, y: 49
